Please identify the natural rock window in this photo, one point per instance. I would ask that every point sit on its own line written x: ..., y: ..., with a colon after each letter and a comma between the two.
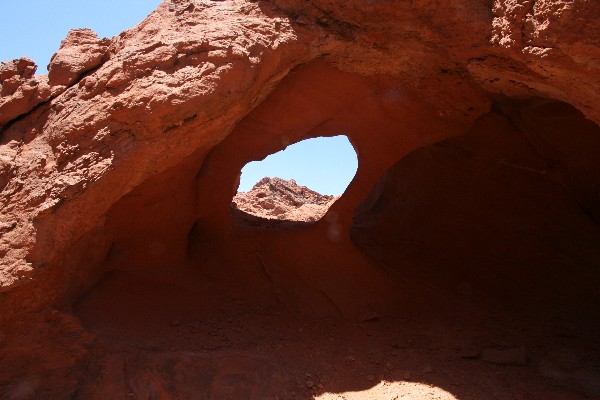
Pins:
x: 299, y: 183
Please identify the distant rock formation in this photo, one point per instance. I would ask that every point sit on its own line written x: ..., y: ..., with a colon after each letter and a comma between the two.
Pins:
x: 276, y: 198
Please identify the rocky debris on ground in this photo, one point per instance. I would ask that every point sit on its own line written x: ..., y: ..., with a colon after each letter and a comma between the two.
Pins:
x: 276, y: 198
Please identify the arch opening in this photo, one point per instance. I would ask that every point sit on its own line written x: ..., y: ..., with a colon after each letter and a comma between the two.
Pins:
x: 299, y: 183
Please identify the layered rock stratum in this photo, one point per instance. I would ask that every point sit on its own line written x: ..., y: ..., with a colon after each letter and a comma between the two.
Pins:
x: 470, y: 229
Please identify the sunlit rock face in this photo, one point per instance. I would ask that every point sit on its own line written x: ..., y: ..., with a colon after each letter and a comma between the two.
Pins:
x: 276, y: 198
x: 470, y: 228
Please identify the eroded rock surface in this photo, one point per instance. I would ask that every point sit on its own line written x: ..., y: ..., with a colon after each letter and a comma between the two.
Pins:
x: 80, y: 52
x: 20, y: 90
x: 22, y: 68
x: 276, y: 198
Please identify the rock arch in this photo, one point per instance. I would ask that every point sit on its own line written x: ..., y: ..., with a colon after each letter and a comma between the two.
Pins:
x: 116, y: 178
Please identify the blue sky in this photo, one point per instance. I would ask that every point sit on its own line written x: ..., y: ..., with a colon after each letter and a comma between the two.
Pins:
x: 325, y: 164
x: 35, y: 29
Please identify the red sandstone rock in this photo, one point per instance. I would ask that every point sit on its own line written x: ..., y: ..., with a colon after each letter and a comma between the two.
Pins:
x: 20, y: 91
x: 166, y: 73
x: 115, y: 198
x: 80, y: 52
x: 275, y: 198
x: 24, y: 68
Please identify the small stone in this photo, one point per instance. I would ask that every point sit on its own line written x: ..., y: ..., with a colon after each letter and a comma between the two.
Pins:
x: 309, y: 384
x: 407, y: 375
x: 427, y: 369
x: 370, y: 378
x: 320, y: 386
x: 350, y: 358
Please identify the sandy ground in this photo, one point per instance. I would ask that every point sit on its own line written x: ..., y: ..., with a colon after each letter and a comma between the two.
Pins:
x: 147, y: 339
x: 160, y: 340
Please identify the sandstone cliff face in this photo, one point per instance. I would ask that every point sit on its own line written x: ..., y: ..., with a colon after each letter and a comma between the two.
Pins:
x: 476, y: 129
